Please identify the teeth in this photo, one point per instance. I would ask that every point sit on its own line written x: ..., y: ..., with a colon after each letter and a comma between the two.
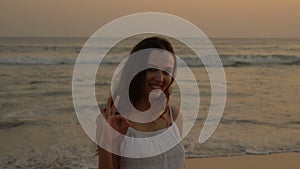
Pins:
x: 155, y: 86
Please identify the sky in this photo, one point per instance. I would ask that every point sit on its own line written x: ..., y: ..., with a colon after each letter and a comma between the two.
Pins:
x: 216, y: 18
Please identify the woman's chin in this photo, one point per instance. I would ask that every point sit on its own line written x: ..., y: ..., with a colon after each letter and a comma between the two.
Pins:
x: 155, y: 94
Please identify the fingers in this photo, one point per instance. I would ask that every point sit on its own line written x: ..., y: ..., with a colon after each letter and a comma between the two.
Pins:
x: 123, y: 124
x: 123, y: 127
x: 118, y: 122
x: 117, y: 101
x: 114, y: 106
x: 122, y: 119
x: 108, y: 110
x: 108, y: 103
x: 102, y: 109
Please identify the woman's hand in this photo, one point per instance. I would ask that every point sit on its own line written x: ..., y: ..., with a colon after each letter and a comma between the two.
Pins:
x: 106, y: 140
x: 116, y: 121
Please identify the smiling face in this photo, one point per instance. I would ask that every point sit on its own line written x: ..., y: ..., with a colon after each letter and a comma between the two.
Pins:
x: 159, y: 75
x: 148, y: 81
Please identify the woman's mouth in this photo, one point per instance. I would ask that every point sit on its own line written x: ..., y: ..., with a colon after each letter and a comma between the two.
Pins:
x: 155, y: 86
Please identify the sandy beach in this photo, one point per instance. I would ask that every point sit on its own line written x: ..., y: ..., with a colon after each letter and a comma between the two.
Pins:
x: 40, y: 129
x: 274, y: 161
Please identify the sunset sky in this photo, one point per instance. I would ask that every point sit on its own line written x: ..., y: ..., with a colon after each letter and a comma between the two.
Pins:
x: 216, y: 18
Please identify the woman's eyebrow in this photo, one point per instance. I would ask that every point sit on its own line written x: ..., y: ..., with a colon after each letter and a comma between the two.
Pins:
x: 169, y: 69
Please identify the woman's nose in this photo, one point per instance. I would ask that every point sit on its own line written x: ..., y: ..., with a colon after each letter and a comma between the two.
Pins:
x: 159, y: 76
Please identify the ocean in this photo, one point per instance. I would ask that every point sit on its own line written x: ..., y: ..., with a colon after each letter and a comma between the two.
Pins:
x: 39, y: 127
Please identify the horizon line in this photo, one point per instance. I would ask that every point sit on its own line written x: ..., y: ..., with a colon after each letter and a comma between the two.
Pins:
x: 233, y: 37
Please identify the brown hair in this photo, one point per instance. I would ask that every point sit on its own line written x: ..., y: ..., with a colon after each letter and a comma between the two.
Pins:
x: 136, y: 85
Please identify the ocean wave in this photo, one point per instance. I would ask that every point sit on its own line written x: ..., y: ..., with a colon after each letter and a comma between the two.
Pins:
x: 248, y: 60
x: 246, y: 152
x: 11, y: 123
x: 227, y: 60
x: 31, y: 48
x: 240, y: 60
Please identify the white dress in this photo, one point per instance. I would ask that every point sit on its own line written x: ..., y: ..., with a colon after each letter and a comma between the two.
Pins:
x: 170, y: 159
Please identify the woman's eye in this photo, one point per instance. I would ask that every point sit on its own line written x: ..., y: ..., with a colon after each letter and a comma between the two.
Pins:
x: 166, y: 72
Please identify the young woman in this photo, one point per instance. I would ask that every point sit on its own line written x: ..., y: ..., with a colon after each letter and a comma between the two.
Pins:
x: 150, y: 86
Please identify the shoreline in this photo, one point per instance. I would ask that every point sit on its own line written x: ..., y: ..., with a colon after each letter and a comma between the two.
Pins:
x: 242, y: 154
x: 247, y: 161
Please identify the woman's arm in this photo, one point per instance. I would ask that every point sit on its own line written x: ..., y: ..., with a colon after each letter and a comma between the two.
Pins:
x: 108, y: 160
x: 105, y: 159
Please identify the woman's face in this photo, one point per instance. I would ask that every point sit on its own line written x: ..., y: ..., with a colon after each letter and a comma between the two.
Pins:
x: 159, y: 74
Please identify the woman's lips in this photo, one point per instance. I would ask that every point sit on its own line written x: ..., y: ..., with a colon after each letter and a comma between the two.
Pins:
x: 155, y: 86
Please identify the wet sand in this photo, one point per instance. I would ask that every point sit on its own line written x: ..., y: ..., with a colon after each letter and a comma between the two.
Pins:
x: 274, y: 161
